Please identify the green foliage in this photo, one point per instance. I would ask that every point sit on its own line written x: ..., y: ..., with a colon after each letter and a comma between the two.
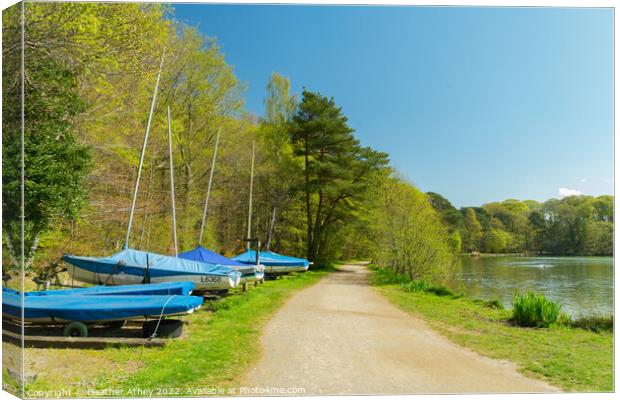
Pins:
x: 574, y: 225
x: 279, y: 177
x: 450, y: 215
x: 56, y: 163
x: 415, y: 286
x: 455, y: 242
x: 423, y: 286
x: 473, y: 230
x: 496, y: 304
x: 385, y: 276
x: 336, y: 170
x: 496, y: 241
x: 534, y: 310
x: 406, y: 234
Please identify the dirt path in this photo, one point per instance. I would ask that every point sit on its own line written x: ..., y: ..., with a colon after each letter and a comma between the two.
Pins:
x: 340, y: 337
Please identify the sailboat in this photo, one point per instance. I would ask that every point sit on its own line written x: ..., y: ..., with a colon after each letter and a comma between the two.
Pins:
x: 274, y: 264
x: 249, y: 272
x: 132, y: 266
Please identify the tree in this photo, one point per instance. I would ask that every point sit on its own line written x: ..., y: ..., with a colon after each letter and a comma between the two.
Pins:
x: 496, y: 241
x: 335, y: 168
x: 279, y: 178
x: 407, y: 234
x: 473, y: 230
x: 56, y: 164
x: 449, y: 214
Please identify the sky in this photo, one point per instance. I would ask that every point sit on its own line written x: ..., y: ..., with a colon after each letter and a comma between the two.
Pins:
x: 477, y: 104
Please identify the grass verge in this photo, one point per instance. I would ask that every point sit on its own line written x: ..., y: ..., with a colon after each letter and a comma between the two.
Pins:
x: 222, y: 342
x: 570, y: 359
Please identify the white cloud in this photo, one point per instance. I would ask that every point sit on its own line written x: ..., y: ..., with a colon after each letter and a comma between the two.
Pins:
x: 569, y: 192
x: 583, y: 180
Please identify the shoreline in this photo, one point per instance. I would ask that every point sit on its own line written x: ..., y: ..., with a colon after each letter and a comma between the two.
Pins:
x: 529, y: 255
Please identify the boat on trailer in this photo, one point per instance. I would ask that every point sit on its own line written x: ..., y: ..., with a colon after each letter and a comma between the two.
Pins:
x: 149, y: 289
x: 249, y: 273
x: 134, y: 266
x: 90, y: 309
x: 274, y: 263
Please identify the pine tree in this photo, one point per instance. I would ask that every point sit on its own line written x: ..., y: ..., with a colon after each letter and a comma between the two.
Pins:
x: 335, y: 167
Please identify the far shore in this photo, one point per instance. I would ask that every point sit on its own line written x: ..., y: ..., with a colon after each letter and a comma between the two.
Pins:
x: 476, y: 254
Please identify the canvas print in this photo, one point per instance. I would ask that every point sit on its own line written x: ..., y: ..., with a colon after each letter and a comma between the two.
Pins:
x: 222, y: 200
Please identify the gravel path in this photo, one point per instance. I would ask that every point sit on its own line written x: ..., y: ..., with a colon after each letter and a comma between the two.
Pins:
x: 340, y: 337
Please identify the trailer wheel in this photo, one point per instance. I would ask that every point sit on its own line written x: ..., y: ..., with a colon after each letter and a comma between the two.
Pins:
x: 168, y: 328
x: 76, y: 329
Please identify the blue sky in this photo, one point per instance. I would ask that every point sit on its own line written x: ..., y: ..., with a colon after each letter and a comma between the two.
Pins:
x: 478, y: 104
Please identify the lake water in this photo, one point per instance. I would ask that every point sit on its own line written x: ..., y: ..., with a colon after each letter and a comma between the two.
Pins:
x: 584, y: 285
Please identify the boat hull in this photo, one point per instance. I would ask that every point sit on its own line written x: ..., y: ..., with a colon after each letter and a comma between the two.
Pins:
x: 284, y: 269
x: 201, y: 282
x: 96, y: 309
x: 274, y: 264
x: 152, y: 289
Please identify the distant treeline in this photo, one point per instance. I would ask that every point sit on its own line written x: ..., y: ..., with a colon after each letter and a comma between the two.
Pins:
x: 574, y: 225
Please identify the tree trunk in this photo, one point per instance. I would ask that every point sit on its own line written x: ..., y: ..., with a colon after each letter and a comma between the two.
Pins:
x: 308, y: 209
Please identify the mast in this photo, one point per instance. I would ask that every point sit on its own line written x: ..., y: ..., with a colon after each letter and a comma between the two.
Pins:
x: 146, y: 137
x: 250, y: 202
x: 204, y: 212
x: 174, y: 211
x: 271, y: 226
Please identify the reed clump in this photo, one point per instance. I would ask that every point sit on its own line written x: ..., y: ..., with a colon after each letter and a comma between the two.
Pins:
x: 532, y: 309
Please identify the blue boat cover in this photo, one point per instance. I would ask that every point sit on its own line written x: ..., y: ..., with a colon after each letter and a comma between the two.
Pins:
x: 150, y: 289
x: 96, y: 308
x: 134, y: 262
x: 201, y: 254
x: 269, y: 258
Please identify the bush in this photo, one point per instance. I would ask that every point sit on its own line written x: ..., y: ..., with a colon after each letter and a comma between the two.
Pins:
x: 373, y: 267
x: 384, y: 276
x: 534, y: 310
x: 440, y: 291
x: 596, y: 323
x: 496, y: 304
x: 415, y: 286
x: 422, y: 286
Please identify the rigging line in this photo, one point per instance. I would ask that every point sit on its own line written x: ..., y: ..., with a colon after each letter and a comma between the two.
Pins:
x: 146, y: 136
x: 174, y: 211
x: 204, y: 212
x: 161, y: 315
x: 22, y: 211
x: 250, y: 202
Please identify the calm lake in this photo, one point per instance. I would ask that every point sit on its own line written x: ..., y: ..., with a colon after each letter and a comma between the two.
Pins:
x: 584, y: 285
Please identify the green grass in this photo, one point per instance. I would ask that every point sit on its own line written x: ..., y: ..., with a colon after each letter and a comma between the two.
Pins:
x: 223, y: 340
x: 534, y: 310
x: 570, y: 359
